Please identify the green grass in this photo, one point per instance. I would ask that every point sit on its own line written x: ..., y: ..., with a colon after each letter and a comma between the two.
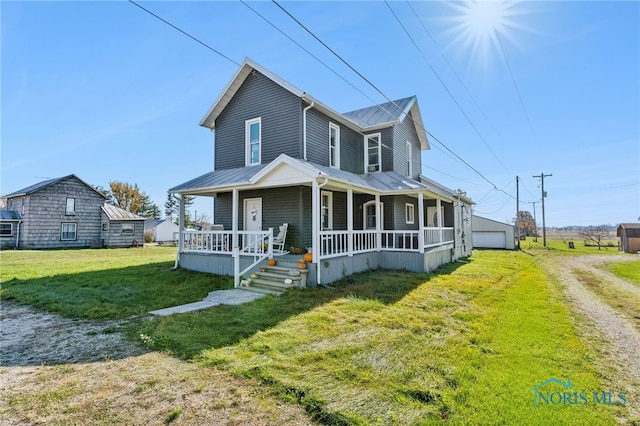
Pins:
x: 465, y: 345
x: 628, y: 270
x: 101, y: 284
x: 561, y: 246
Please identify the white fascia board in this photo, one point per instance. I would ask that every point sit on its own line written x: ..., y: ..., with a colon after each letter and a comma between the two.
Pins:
x: 306, y: 169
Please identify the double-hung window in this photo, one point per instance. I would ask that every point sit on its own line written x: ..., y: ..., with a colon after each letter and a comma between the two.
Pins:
x: 326, y: 210
x: 410, y: 213
x: 334, y: 145
x: 373, y: 153
x: 253, y: 141
x: 6, y: 229
x: 68, y: 231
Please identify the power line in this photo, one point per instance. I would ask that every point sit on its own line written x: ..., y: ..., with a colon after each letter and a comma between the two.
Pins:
x: 455, y: 101
x: 185, y: 33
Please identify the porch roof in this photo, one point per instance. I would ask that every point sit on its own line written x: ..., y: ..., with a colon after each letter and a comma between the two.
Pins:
x: 305, y: 172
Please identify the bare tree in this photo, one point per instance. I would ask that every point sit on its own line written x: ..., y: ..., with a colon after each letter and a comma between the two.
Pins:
x: 596, y: 234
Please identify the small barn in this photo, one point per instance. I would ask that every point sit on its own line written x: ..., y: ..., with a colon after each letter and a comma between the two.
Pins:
x: 163, y: 230
x: 629, y: 234
x: 121, y: 228
x: 489, y: 233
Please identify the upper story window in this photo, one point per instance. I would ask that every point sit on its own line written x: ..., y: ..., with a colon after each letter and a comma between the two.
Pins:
x: 71, y: 207
x: 334, y: 145
x: 326, y: 210
x: 253, y: 139
x: 373, y: 153
x: 409, y: 157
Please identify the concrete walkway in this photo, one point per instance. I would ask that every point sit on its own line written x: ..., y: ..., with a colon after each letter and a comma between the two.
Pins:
x: 234, y: 296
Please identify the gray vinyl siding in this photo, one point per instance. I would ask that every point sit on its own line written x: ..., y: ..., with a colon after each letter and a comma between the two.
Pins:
x: 404, y: 132
x: 386, y: 139
x: 281, y: 114
x: 44, y: 213
x: 351, y: 143
x: 400, y: 216
x: 290, y: 205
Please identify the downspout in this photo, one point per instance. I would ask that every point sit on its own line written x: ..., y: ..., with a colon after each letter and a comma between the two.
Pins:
x: 304, y: 128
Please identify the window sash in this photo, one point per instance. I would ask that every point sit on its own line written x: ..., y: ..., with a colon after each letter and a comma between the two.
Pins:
x: 253, y: 139
x: 409, y: 155
x: 6, y: 229
x: 410, y: 213
x: 326, y: 210
x: 373, y: 153
x: 70, y: 206
x: 334, y: 145
x: 68, y: 231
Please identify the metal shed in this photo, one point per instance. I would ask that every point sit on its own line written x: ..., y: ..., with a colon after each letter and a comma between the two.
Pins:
x: 489, y: 233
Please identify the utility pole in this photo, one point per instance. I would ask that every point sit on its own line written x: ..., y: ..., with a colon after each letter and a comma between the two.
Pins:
x: 535, y: 221
x: 544, y: 195
x: 518, y: 210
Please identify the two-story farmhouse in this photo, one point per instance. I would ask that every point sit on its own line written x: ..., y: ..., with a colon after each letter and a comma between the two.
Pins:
x: 66, y: 212
x: 348, y: 186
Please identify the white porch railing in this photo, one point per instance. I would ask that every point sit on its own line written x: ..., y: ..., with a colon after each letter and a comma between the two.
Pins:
x: 207, y: 241
x: 257, y: 245
x: 336, y: 243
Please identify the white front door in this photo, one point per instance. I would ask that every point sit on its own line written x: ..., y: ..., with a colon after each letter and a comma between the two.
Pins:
x: 252, y: 221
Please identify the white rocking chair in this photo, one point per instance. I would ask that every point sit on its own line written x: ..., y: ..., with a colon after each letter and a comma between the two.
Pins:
x: 279, y: 240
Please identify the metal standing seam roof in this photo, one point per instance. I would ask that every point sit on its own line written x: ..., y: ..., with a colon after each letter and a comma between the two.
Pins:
x: 10, y: 215
x: 384, y: 182
x: 380, y: 114
x: 116, y: 213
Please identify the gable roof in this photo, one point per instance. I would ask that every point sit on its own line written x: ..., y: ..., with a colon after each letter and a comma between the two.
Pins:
x: 116, y: 213
x: 40, y: 185
x: 362, y: 120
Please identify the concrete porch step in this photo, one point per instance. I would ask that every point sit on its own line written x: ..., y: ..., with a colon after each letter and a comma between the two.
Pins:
x: 271, y: 284
x: 278, y: 276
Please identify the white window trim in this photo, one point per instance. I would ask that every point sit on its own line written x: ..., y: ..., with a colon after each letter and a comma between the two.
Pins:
x: 247, y: 140
x: 75, y: 233
x: 410, y: 213
x: 67, y: 211
x: 329, y: 196
x: 364, y: 212
x: 409, y: 154
x: 335, y: 127
x: 366, y: 151
x: 11, y: 228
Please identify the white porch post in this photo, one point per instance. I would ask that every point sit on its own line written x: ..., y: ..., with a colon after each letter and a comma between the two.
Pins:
x: 378, y: 224
x: 421, y: 222
x: 234, y: 238
x: 439, y: 215
x: 350, y: 222
x: 315, y: 225
x: 181, y: 222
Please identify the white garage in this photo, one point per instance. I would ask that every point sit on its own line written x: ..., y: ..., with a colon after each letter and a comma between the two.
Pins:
x: 489, y: 233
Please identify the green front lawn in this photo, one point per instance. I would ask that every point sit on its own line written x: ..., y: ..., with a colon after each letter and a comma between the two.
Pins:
x: 627, y: 270
x: 465, y: 345
x: 101, y: 284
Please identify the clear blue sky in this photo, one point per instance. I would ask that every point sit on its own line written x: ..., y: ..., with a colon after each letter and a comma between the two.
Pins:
x: 108, y: 92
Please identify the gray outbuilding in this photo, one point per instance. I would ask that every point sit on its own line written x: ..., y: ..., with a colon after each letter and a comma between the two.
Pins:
x: 489, y: 233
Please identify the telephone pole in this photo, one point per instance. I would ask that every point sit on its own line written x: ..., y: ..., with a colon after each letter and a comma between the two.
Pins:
x: 544, y: 195
x: 518, y: 210
x: 535, y: 221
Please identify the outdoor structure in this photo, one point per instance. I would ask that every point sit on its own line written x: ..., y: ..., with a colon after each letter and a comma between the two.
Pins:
x: 629, y: 234
x: 162, y: 230
x: 348, y: 186
x: 65, y: 212
x: 9, y: 228
x: 489, y: 233
x: 121, y: 228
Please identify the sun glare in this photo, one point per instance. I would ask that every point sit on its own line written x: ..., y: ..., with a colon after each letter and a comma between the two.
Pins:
x: 481, y: 26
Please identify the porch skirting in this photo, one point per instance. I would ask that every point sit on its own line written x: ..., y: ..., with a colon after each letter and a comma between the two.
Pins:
x: 335, y: 268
